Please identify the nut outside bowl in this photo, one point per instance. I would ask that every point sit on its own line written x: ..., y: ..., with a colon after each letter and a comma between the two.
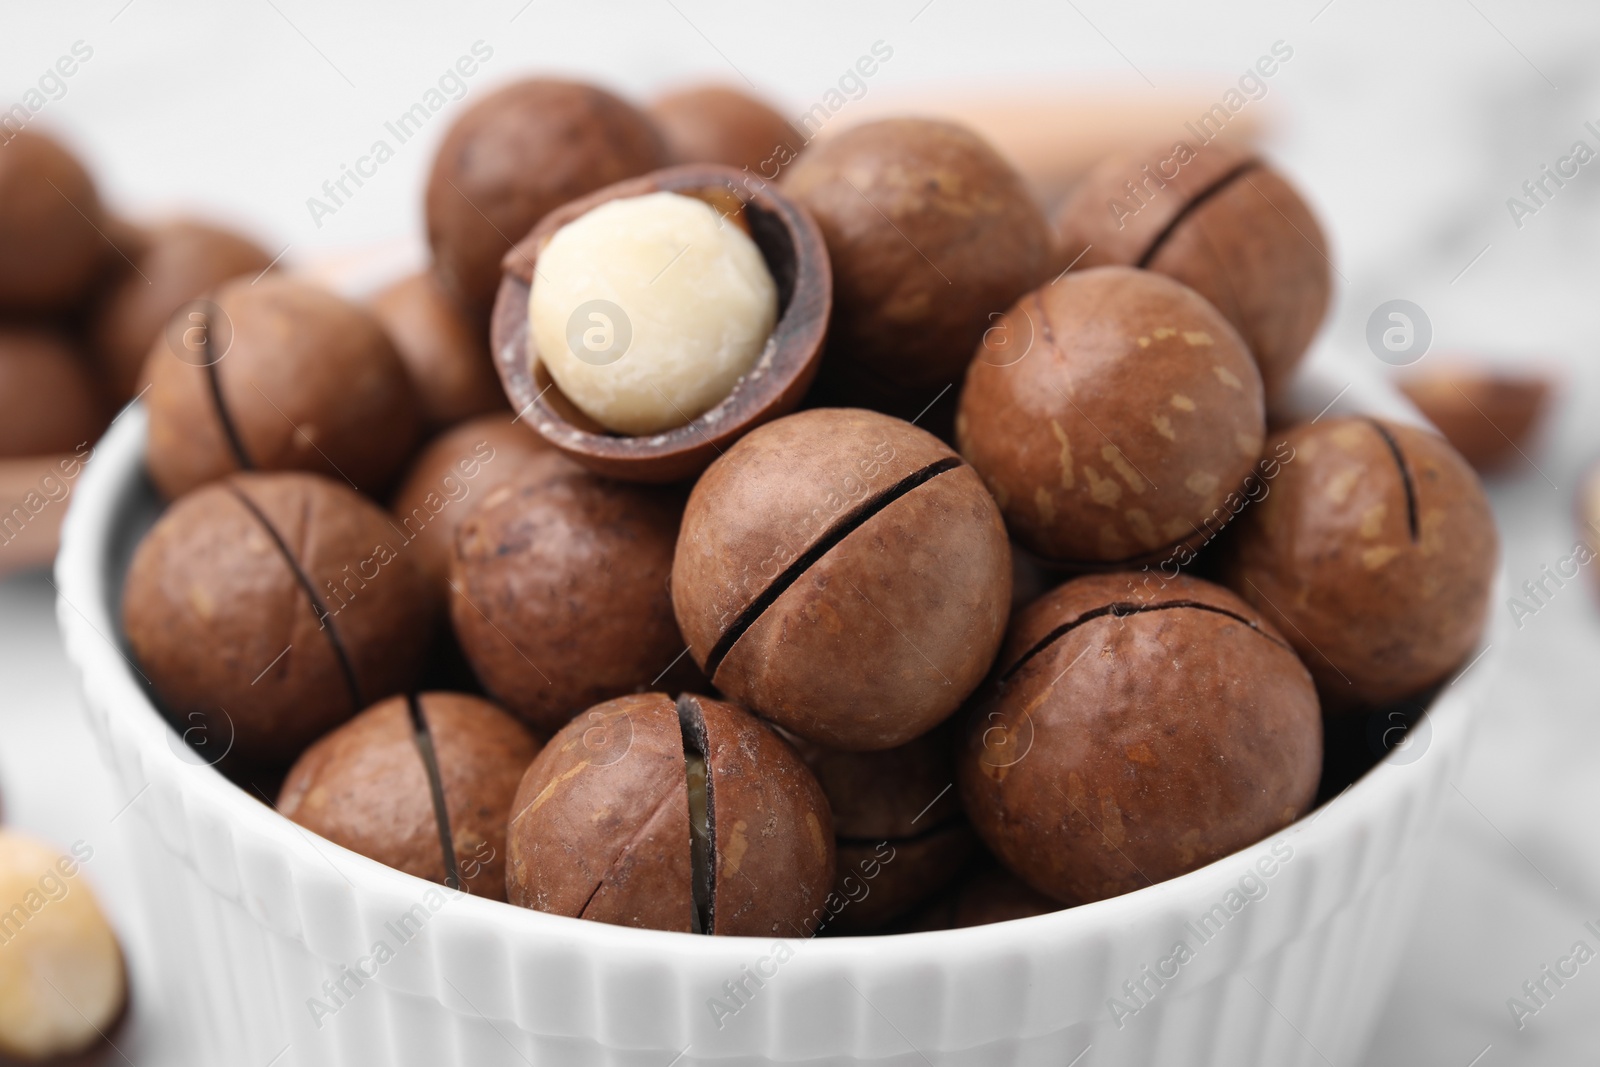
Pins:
x: 792, y: 246
x: 257, y: 920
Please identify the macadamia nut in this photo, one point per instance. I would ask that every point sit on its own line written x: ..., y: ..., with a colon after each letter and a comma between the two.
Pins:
x: 647, y: 310
x: 62, y: 982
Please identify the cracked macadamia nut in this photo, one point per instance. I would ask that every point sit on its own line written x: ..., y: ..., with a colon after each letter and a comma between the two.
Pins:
x: 716, y: 124
x: 51, y: 246
x: 1220, y: 221
x: 1374, y: 553
x: 48, y: 400
x: 456, y: 470
x: 647, y: 310
x: 845, y: 575
x: 559, y: 593
x: 1487, y: 414
x: 898, y: 825
x: 266, y: 609
x: 174, y: 262
x: 443, y: 349
x: 421, y: 783
x: 63, y: 984
x: 513, y: 157
x: 277, y: 374
x: 692, y: 816
x: 1112, y: 413
x: 930, y: 233
x: 1138, y: 729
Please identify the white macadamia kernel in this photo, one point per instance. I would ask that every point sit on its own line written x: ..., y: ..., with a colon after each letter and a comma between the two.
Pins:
x: 62, y: 980
x: 647, y: 310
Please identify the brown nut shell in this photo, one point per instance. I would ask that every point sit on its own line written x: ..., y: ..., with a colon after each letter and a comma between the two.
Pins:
x: 1112, y: 413
x: 375, y: 783
x: 559, y: 592
x: 1138, y: 730
x: 790, y: 244
x: 48, y: 401
x: 930, y: 233
x: 173, y: 263
x: 456, y: 470
x: 444, y: 351
x: 51, y: 247
x: 278, y: 374
x: 1220, y: 221
x: 717, y: 124
x: 843, y: 574
x: 1374, y: 553
x: 1488, y: 415
x: 602, y: 822
x: 271, y: 607
x: 515, y: 156
x: 987, y: 894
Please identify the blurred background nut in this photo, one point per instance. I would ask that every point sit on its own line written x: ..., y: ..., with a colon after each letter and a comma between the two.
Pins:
x: 421, y: 783
x: 514, y: 156
x: 898, y: 824
x: 277, y: 374
x: 718, y: 124
x: 559, y: 592
x: 1222, y: 222
x: 172, y: 263
x: 1488, y: 414
x: 692, y: 816
x: 845, y: 575
x: 930, y: 234
x: 1112, y: 413
x: 49, y: 402
x: 456, y: 470
x: 1137, y: 729
x: 444, y: 351
x: 50, y: 247
x: 1373, y: 554
x: 274, y: 607
x: 62, y: 980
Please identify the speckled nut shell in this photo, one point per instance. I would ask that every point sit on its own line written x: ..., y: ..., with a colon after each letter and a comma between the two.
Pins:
x: 1220, y: 221
x: 515, y: 156
x: 444, y: 350
x: 173, y: 262
x: 1487, y: 414
x: 277, y: 374
x: 845, y: 575
x: 559, y: 593
x: 1374, y: 554
x: 1111, y: 413
x: 287, y: 601
x: 48, y: 401
x: 792, y: 248
x: 898, y: 825
x: 931, y: 233
x: 987, y: 894
x: 50, y: 250
x: 1138, y: 729
x: 716, y: 124
x: 454, y: 472
x: 408, y: 775
x: 601, y: 825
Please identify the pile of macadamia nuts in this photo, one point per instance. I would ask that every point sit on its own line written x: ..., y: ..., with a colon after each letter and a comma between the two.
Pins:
x: 857, y: 551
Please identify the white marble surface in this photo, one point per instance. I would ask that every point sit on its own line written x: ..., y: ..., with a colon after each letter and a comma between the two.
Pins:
x: 1408, y: 126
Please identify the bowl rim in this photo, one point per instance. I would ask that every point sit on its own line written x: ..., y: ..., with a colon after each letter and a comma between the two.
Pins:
x: 88, y: 586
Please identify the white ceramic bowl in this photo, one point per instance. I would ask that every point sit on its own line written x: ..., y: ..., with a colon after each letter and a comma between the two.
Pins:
x: 269, y: 939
